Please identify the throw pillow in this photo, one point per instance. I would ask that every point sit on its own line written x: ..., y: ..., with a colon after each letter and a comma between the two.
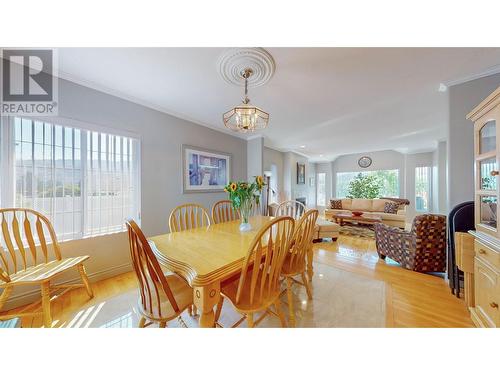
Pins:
x: 336, y: 204
x: 391, y: 208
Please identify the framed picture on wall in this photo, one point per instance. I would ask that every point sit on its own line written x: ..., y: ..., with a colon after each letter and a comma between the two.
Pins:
x: 204, y: 171
x: 301, y: 174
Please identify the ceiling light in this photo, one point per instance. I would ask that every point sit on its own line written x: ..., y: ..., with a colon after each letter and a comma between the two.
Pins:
x: 246, y: 118
x: 302, y: 146
x: 320, y: 155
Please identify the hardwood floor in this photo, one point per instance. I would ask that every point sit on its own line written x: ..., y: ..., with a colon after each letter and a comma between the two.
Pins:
x: 412, y: 299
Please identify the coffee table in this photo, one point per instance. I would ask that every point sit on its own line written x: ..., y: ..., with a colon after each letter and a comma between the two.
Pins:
x: 342, y: 217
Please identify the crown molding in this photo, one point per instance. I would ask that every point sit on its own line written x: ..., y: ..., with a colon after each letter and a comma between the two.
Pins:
x: 485, y: 73
x: 116, y: 93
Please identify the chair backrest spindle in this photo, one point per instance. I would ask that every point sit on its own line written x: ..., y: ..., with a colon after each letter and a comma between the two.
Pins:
x: 188, y: 216
x: 153, y: 284
x: 265, y: 259
x: 291, y: 208
x: 23, y: 232
x: 223, y: 211
x: 302, y: 240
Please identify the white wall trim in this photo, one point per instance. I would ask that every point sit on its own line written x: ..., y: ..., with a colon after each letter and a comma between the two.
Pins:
x: 485, y: 73
x: 32, y: 295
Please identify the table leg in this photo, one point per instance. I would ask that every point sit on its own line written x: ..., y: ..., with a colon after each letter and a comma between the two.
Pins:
x: 205, y: 298
x: 310, y: 271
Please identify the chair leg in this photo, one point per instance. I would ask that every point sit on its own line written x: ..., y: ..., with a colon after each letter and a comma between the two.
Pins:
x: 219, y: 309
x: 5, y: 296
x: 163, y: 324
x: 142, y: 322
x: 85, y: 279
x: 250, y: 320
x: 47, y: 317
x: 307, y: 285
x: 290, y: 302
x: 190, y: 310
x: 279, y: 311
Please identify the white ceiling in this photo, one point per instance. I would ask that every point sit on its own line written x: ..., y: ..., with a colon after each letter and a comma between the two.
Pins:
x: 333, y: 101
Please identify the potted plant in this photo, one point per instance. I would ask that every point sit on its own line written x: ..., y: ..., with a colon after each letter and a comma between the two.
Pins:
x: 243, y: 195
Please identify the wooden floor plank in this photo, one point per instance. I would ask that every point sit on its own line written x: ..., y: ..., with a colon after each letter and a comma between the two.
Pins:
x: 412, y: 299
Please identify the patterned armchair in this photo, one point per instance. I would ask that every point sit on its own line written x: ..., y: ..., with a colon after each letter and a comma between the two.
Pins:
x: 423, y: 249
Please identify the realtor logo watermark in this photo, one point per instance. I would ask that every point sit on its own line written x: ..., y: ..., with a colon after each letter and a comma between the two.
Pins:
x: 28, y: 84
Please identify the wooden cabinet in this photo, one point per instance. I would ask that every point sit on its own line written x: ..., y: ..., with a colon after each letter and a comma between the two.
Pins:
x: 485, y: 312
x: 486, y: 118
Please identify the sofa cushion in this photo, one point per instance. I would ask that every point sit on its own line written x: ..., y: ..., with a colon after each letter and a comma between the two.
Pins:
x: 361, y: 205
x: 379, y: 204
x: 346, y: 203
x: 336, y: 204
x: 391, y: 207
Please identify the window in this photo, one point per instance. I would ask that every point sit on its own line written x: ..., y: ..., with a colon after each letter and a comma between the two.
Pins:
x: 321, y: 190
x: 85, y: 181
x: 422, y: 188
x: 389, y: 180
x: 274, y: 184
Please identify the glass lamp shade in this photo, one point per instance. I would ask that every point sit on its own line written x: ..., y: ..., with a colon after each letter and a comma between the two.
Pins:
x: 246, y: 118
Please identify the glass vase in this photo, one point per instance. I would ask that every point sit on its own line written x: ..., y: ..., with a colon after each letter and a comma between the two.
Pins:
x: 245, y: 211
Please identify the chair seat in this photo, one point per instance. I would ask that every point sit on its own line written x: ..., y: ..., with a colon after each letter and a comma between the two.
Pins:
x: 44, y: 271
x: 291, y: 270
x: 183, y: 294
x: 244, y: 305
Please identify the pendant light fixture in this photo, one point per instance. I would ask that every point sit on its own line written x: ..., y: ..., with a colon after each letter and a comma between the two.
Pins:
x: 246, y: 118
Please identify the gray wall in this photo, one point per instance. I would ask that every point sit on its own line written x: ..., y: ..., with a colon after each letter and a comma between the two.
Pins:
x: 381, y: 160
x: 291, y: 188
x: 161, y: 174
x: 277, y: 158
x: 326, y: 168
x: 405, y: 163
x: 460, y: 155
x: 424, y: 159
x: 255, y: 157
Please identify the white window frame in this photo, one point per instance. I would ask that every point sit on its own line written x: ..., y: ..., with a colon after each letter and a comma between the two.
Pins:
x: 430, y: 193
x: 317, y: 189
x: 7, y: 162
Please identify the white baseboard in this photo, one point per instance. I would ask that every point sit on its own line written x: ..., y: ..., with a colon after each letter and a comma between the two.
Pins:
x: 30, y: 296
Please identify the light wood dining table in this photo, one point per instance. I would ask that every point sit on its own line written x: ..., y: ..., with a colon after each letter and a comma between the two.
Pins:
x: 206, y: 257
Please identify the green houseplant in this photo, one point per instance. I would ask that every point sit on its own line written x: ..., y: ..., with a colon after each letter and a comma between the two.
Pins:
x: 243, y: 195
x: 364, y: 186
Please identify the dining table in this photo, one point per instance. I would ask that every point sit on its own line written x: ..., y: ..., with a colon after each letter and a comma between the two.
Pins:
x: 206, y: 257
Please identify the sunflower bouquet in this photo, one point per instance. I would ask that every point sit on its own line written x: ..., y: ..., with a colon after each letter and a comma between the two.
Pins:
x: 243, y: 195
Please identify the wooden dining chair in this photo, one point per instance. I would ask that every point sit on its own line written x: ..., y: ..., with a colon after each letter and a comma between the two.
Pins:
x: 258, y: 287
x: 188, y: 216
x: 30, y: 258
x: 291, y: 208
x: 223, y: 211
x: 295, y: 261
x: 162, y: 297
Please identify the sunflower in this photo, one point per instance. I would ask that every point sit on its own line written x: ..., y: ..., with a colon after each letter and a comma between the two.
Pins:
x: 260, y: 181
x: 233, y: 186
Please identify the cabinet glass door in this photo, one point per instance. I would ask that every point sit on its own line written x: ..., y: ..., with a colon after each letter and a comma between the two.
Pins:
x: 488, y: 210
x: 488, y: 137
x: 488, y: 168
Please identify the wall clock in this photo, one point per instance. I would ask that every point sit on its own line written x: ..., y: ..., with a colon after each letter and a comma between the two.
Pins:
x: 365, y: 162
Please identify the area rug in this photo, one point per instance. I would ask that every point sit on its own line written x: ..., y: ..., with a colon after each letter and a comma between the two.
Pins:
x: 340, y: 299
x: 357, y: 230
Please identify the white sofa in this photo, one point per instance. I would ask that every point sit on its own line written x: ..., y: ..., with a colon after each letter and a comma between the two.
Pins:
x: 372, y: 206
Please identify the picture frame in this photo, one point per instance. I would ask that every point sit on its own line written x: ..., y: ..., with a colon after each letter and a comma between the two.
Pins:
x: 301, y: 174
x: 204, y: 170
